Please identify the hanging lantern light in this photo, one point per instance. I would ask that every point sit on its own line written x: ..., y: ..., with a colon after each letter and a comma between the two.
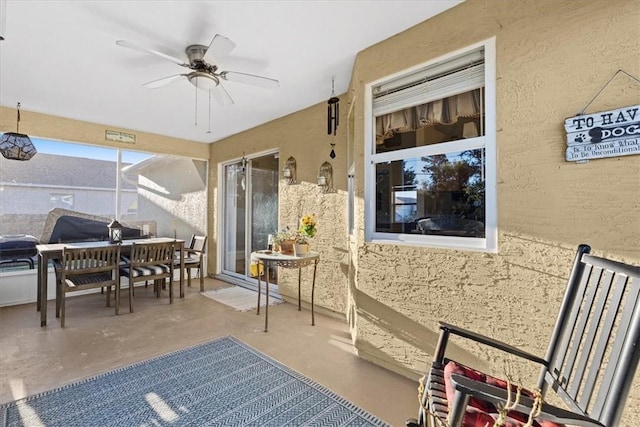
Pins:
x: 16, y: 145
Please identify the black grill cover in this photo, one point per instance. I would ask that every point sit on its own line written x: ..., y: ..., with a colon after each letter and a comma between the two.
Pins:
x: 75, y: 229
x: 16, y: 246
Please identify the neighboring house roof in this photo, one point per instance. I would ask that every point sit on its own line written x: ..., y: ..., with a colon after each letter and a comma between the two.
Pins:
x: 66, y: 171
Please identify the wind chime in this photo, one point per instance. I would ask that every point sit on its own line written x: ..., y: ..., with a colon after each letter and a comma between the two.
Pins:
x: 333, y: 112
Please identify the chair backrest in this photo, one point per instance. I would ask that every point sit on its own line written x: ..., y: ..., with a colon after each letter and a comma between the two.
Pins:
x: 83, y: 261
x: 192, y: 240
x: 145, y: 254
x: 198, y: 243
x: 595, y: 346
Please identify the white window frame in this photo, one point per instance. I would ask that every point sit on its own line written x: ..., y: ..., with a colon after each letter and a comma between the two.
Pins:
x: 488, y: 142
x: 351, y: 200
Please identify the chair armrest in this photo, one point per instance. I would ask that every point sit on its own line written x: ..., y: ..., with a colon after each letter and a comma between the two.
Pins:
x: 467, y: 387
x: 189, y: 252
x: 491, y: 342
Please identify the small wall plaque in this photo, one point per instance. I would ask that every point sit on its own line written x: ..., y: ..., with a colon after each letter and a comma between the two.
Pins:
x: 112, y: 135
x: 610, y: 133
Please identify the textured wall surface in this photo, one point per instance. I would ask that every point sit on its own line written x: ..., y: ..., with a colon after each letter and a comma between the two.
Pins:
x: 552, y: 58
x: 177, y: 206
x: 302, y: 135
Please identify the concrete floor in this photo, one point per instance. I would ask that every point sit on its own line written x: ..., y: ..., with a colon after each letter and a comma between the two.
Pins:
x: 35, y: 359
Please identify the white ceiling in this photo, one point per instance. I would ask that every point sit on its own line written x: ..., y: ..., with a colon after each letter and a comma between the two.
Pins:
x: 61, y: 58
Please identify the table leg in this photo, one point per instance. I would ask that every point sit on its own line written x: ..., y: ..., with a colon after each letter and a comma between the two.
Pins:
x: 313, y: 288
x: 299, y: 294
x: 117, y: 291
x: 170, y: 290
x: 43, y: 290
x: 39, y: 283
x: 266, y: 307
x: 259, y: 286
x: 181, y: 246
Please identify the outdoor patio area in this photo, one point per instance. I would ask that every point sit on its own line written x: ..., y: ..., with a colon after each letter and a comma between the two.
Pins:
x: 94, y: 341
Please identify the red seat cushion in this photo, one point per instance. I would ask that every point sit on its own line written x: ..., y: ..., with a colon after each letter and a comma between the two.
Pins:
x: 480, y: 412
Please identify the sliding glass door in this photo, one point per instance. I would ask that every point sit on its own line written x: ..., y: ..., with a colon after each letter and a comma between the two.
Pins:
x: 250, y: 213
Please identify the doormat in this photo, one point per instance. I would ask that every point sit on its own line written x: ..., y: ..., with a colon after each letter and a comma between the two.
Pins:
x: 224, y: 382
x: 239, y: 298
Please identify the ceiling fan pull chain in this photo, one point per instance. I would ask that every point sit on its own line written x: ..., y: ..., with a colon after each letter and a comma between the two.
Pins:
x: 209, y: 131
x: 196, y: 109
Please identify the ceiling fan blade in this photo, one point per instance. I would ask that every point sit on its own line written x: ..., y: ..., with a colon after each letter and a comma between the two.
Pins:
x: 251, y: 79
x: 219, y: 48
x: 222, y: 96
x: 134, y: 46
x: 164, y: 81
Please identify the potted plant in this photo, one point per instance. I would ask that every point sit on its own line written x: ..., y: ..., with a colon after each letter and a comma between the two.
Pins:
x: 306, y: 231
x: 284, y: 240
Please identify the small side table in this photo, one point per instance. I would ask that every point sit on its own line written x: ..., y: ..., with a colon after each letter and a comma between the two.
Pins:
x: 270, y: 259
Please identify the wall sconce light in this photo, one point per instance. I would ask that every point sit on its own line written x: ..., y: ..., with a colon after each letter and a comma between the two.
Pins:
x: 325, y: 177
x: 289, y: 171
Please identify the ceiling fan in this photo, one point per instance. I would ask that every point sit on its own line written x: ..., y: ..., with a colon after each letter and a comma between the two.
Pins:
x: 204, y: 72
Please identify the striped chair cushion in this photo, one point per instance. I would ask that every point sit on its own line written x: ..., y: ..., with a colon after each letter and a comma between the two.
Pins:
x: 151, y: 270
x: 85, y: 279
x: 190, y: 260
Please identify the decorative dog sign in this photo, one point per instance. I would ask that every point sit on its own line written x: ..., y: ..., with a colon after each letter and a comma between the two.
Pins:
x: 610, y: 133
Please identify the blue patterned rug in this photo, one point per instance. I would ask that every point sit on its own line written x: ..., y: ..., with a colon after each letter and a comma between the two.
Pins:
x: 220, y: 383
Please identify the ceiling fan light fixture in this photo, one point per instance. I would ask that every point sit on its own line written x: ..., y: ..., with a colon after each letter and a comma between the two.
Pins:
x: 204, y: 81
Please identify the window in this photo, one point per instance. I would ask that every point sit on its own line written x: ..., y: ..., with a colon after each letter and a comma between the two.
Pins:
x: 351, y: 195
x: 64, y: 201
x: 162, y: 195
x: 431, y: 172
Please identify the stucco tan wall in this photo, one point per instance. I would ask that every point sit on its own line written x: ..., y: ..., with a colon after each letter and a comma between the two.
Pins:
x: 302, y: 135
x: 553, y: 56
x: 63, y: 129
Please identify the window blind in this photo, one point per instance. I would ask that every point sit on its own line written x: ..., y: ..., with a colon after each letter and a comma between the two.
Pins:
x: 438, y: 81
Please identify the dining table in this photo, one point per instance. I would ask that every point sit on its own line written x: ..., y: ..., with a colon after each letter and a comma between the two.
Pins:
x: 53, y: 251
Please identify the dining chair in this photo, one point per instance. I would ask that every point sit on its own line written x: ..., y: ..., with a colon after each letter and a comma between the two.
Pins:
x: 149, y: 261
x: 88, y: 268
x: 194, y: 258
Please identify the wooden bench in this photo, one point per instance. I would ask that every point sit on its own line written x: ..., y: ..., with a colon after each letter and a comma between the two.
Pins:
x: 590, y: 362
